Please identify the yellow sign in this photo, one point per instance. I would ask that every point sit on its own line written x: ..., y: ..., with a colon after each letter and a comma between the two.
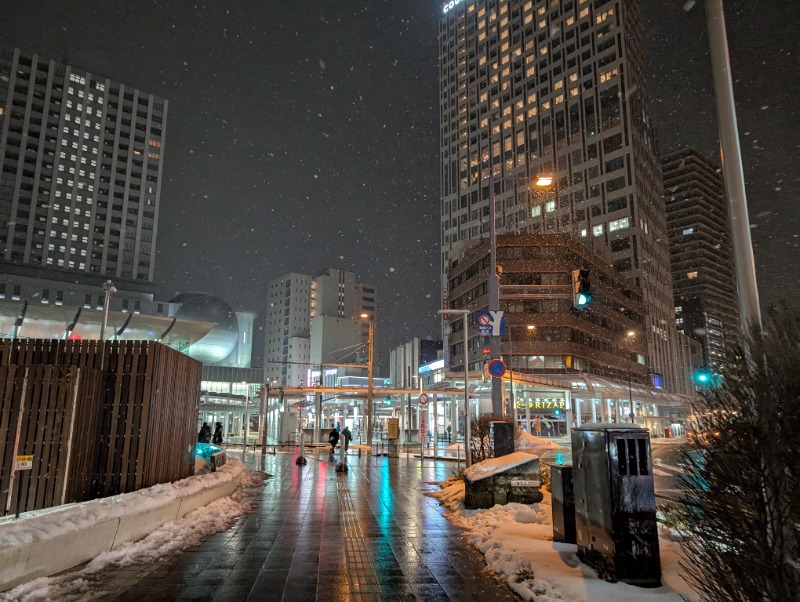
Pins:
x: 543, y: 404
x: 393, y: 427
x: 23, y: 463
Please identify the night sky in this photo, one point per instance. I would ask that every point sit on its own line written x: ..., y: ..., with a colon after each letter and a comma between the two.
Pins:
x: 303, y: 135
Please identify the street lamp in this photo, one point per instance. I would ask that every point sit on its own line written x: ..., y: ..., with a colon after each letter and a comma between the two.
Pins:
x: 371, y: 320
x: 629, y: 338
x: 246, y: 419
x: 108, y: 290
x: 467, y: 430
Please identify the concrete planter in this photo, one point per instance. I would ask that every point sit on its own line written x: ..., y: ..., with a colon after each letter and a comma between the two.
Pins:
x: 519, y: 483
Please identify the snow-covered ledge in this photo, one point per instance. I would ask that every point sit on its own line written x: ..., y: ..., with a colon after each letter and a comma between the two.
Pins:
x: 46, y: 542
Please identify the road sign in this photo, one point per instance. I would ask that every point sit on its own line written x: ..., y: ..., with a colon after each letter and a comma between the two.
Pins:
x: 23, y: 463
x: 423, y: 398
x: 491, y: 323
x: 497, y: 368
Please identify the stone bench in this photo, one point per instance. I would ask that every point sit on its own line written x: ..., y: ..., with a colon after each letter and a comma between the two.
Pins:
x: 514, y: 477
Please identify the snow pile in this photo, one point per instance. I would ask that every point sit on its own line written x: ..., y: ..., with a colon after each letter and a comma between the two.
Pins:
x: 493, y: 466
x: 170, y: 538
x: 69, y: 518
x: 517, y: 542
x: 528, y: 441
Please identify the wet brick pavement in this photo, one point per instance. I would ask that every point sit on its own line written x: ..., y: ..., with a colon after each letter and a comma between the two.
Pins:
x: 319, y: 535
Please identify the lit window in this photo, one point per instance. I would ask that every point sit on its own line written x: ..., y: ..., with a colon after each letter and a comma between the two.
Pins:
x: 688, y: 231
x: 597, y: 230
x: 550, y: 206
x: 691, y: 275
x: 536, y: 211
x: 618, y: 224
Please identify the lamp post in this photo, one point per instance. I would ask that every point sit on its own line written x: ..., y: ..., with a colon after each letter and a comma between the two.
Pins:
x: 369, y: 375
x: 744, y: 262
x: 246, y: 422
x: 629, y: 338
x: 265, y: 421
x: 467, y: 430
x: 108, y: 290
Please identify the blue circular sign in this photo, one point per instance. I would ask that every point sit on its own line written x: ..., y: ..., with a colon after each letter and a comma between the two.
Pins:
x: 497, y: 368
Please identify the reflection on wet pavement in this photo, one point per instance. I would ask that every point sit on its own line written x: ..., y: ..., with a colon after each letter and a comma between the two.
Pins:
x: 368, y: 534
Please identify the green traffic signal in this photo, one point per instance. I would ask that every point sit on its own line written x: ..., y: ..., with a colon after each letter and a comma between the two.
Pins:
x: 581, y: 287
x: 703, y: 377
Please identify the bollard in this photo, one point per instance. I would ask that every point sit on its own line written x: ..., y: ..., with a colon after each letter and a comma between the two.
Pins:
x: 342, y: 466
x: 301, y: 457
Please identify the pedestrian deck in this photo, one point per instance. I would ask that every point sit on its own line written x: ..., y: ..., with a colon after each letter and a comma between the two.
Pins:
x: 318, y: 535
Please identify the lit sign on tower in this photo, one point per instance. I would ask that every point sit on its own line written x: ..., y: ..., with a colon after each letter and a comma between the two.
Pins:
x: 448, y: 6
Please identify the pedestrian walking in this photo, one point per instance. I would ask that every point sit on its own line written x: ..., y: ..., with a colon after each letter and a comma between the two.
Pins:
x: 217, y: 440
x: 449, y: 429
x: 205, y: 434
x: 347, y: 436
x: 333, y: 439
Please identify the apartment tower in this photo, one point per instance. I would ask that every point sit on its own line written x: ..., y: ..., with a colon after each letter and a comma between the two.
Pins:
x: 703, y: 275
x: 538, y: 89
x: 80, y: 176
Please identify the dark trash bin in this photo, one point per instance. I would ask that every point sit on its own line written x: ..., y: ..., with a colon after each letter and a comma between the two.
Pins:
x: 561, y: 487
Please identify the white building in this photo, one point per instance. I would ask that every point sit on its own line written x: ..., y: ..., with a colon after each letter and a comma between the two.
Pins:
x: 313, y: 320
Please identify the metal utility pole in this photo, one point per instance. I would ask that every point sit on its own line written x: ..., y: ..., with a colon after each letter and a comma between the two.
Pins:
x: 369, y: 376
x: 467, y: 428
x: 494, y: 298
x: 732, y: 171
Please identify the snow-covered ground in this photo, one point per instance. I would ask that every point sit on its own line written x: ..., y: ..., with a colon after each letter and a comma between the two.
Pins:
x: 517, y: 542
x: 87, y: 583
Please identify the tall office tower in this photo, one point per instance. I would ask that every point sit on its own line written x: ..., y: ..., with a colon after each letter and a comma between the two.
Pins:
x: 532, y: 88
x: 700, y: 247
x: 81, y: 170
x: 311, y: 320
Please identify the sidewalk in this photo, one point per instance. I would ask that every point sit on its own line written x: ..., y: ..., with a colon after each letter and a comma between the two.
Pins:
x: 368, y: 534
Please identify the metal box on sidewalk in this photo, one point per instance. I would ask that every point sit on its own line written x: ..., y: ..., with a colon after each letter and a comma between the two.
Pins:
x: 615, y: 506
x: 561, y: 487
x: 502, y: 434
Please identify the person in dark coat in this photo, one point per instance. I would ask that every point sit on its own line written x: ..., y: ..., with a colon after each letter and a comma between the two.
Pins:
x: 333, y: 439
x: 347, y: 436
x: 217, y: 440
x: 205, y: 434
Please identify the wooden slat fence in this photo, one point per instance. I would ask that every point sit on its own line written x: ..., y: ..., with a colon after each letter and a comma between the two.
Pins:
x: 98, y: 419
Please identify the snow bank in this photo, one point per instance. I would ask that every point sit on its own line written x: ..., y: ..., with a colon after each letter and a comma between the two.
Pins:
x: 528, y: 441
x: 517, y: 542
x: 43, y: 543
x: 89, y: 583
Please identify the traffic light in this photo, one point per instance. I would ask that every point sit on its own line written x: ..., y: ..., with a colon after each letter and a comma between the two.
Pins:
x: 388, y: 400
x: 703, y: 377
x: 581, y: 287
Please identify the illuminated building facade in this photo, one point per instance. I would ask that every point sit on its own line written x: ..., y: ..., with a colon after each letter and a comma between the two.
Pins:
x: 81, y: 160
x: 541, y: 88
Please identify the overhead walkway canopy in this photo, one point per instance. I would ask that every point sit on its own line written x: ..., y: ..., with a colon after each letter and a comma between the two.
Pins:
x: 51, y: 321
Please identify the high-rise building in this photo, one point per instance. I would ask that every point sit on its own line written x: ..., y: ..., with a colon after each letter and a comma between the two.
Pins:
x: 314, y: 320
x: 700, y: 247
x: 553, y: 92
x: 80, y: 176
